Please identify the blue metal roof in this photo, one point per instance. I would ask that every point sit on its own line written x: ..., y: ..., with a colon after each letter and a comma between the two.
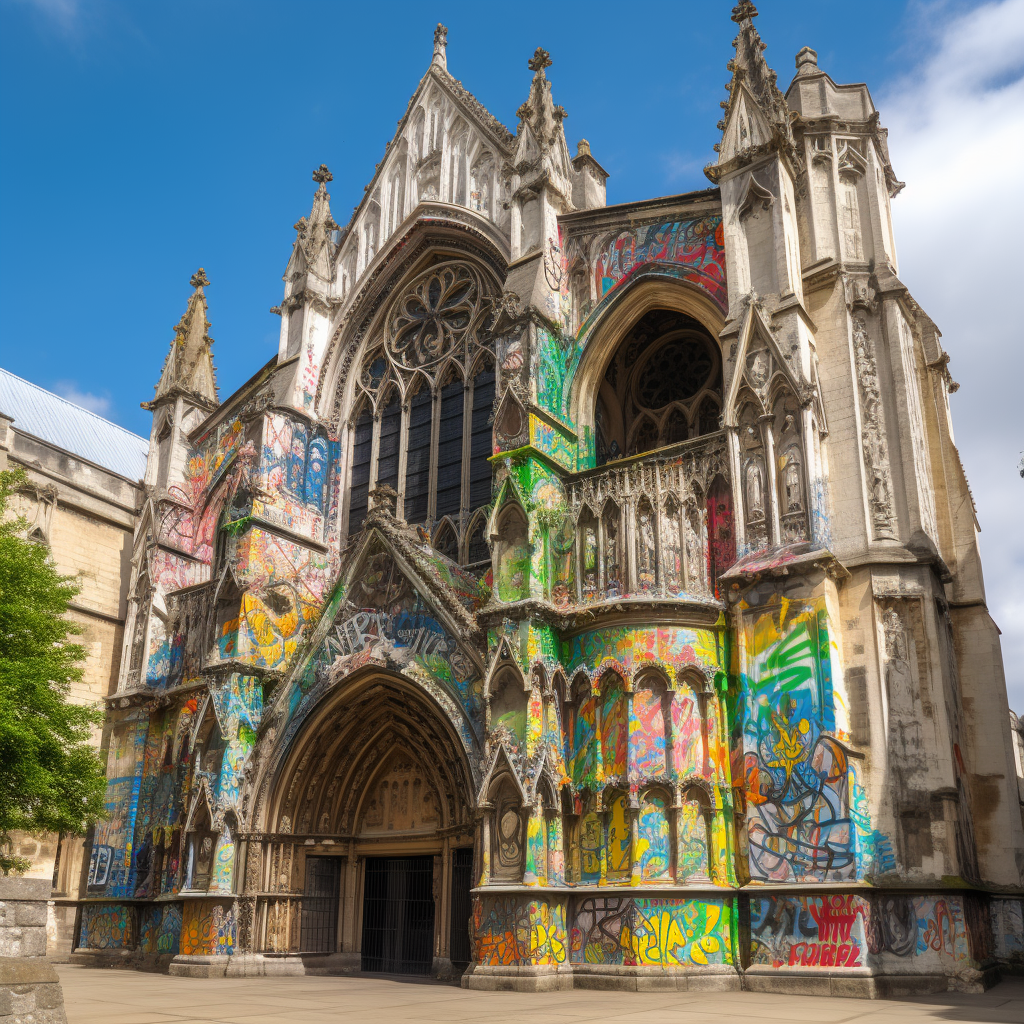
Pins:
x: 65, y: 425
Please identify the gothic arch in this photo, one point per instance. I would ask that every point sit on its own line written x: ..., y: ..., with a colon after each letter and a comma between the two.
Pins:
x: 645, y: 293
x: 356, y: 328
x: 316, y: 783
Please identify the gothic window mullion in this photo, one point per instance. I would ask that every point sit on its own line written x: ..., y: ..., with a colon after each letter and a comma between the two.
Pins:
x: 467, y: 442
x: 375, y: 448
x: 403, y: 456
x: 358, y: 473
x: 435, y: 443
x: 450, y: 450
x: 480, y: 428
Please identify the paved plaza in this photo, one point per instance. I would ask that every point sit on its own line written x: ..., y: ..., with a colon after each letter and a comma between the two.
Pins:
x: 126, y: 997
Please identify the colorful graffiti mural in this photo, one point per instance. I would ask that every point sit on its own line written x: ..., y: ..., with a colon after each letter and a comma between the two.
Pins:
x: 699, y: 244
x: 653, y: 932
x: 111, y: 856
x: 630, y: 648
x: 808, y: 931
x: 799, y: 826
x: 160, y: 930
x: 208, y: 929
x: 509, y: 930
x: 107, y: 926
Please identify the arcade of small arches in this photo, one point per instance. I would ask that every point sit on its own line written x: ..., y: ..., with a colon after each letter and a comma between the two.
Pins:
x: 628, y: 790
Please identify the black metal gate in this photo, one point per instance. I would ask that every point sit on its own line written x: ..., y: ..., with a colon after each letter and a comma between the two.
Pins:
x: 462, y: 908
x: 398, y: 915
x: 319, y: 918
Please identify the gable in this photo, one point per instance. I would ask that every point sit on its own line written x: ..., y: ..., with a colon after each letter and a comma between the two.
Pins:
x: 385, y: 613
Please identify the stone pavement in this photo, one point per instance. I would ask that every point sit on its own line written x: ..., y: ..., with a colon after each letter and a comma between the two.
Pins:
x: 94, y: 996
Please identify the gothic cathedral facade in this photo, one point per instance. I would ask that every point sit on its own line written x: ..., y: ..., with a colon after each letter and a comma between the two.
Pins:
x: 583, y: 594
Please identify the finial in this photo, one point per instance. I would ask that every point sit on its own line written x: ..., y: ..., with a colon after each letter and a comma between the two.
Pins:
x: 321, y: 175
x: 583, y: 148
x: 806, y: 61
x: 198, y: 279
x: 440, y: 46
x: 541, y: 59
x: 743, y: 11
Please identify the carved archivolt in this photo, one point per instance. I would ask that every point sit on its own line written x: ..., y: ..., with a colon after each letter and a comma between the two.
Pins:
x: 380, y: 760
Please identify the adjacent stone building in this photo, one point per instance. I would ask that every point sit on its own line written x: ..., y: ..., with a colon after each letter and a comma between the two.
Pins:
x: 582, y: 595
x: 83, y: 495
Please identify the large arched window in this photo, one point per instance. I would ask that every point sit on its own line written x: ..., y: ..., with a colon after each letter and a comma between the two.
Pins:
x: 423, y: 409
x: 663, y: 385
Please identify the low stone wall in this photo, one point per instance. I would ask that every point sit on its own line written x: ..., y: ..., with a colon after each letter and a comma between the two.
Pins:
x: 23, y: 916
x: 30, y: 991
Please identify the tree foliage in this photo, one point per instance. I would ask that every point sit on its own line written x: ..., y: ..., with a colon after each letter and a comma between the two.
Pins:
x: 51, y: 779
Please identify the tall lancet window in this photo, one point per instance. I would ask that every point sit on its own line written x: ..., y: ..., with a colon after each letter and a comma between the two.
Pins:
x: 424, y: 409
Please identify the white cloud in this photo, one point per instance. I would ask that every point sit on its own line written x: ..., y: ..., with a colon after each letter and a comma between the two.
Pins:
x: 956, y: 136
x: 68, y: 389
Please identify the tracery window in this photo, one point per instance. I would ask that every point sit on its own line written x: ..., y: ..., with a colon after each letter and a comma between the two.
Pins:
x: 423, y: 410
x: 662, y: 386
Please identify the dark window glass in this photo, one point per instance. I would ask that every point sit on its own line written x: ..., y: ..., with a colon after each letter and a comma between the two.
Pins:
x: 447, y: 543
x: 390, y: 432
x: 646, y: 437
x: 449, y: 451
x: 480, y: 439
x: 676, y: 427
x: 678, y: 370
x: 417, y: 469
x: 708, y: 419
x: 362, y: 443
x: 478, y: 550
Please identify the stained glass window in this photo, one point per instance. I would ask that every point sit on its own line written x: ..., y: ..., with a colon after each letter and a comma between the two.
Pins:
x: 361, y: 448
x: 417, y: 464
x: 432, y: 331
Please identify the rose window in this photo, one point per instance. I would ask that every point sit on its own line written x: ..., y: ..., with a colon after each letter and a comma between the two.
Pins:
x: 433, y: 317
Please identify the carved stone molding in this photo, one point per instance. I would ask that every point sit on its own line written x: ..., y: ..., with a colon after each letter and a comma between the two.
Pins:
x: 873, y: 439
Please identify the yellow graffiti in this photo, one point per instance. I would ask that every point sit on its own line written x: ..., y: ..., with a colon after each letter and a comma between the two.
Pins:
x: 661, y: 938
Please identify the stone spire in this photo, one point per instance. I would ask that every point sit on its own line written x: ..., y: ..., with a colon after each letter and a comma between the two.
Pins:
x: 440, y: 46
x: 756, y: 114
x: 189, y: 368
x: 541, y: 150
x: 313, y: 244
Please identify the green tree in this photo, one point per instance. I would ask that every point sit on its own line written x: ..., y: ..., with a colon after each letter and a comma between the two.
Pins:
x: 51, y: 779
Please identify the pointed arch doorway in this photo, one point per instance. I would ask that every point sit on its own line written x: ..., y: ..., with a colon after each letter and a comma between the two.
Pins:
x: 373, y: 836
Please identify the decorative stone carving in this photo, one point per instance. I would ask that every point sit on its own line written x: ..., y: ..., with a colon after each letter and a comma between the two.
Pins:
x: 401, y: 801
x: 873, y: 440
x: 638, y: 489
x: 434, y: 315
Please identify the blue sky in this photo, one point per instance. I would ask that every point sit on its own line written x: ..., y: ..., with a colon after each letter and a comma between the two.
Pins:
x: 142, y: 140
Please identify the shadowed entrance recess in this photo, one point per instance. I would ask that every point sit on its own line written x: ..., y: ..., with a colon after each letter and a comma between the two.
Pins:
x: 398, y: 915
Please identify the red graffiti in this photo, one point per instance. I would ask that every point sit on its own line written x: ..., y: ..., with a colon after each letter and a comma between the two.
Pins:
x: 834, y: 916
x: 814, y: 954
